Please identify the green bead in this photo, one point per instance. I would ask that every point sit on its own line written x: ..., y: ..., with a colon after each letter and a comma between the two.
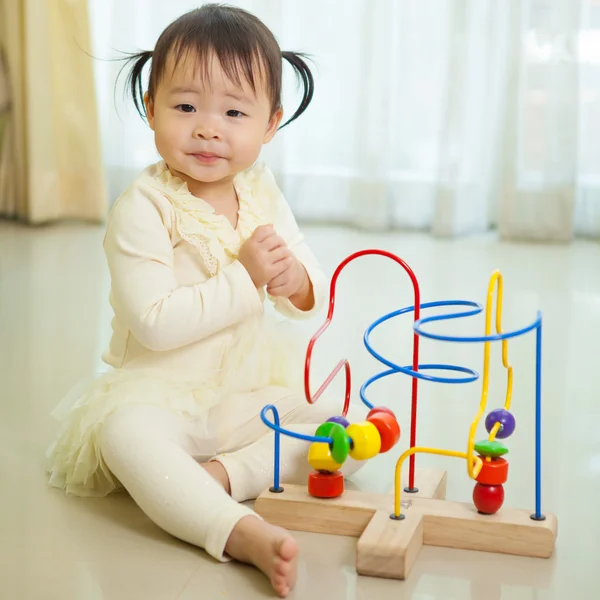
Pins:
x: 492, y: 449
x: 341, y: 444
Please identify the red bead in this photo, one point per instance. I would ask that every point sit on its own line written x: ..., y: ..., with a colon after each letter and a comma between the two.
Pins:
x: 494, y: 472
x: 326, y: 485
x: 488, y: 498
x: 388, y: 428
x: 380, y: 409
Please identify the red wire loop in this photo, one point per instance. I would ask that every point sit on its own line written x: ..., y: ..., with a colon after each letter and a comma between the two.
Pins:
x: 312, y: 398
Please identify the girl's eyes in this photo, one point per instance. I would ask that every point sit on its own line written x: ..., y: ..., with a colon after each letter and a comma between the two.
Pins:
x: 186, y: 108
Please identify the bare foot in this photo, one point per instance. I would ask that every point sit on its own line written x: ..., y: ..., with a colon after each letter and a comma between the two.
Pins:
x: 272, y: 549
x: 217, y: 471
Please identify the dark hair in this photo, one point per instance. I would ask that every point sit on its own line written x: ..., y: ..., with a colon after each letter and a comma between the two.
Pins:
x: 241, y: 42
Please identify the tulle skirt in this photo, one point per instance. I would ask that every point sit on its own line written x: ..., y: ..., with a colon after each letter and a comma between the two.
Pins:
x: 264, y: 354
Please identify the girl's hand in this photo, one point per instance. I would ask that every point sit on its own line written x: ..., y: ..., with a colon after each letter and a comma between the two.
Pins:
x: 265, y: 255
x: 293, y: 283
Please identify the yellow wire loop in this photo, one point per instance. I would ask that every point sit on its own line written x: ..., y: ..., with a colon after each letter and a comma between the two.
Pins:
x: 495, y: 281
x: 474, y: 463
x: 424, y: 450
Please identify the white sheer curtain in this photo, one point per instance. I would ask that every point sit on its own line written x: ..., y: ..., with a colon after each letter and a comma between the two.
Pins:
x: 452, y: 116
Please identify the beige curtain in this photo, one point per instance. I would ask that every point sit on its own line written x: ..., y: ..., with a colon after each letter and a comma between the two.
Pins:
x: 50, y: 161
x: 450, y: 116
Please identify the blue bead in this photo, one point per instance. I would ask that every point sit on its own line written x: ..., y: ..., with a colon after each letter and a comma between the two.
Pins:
x: 506, y: 420
x: 340, y: 420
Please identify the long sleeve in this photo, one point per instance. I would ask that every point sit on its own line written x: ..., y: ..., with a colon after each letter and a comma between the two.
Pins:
x: 161, y: 313
x: 286, y: 226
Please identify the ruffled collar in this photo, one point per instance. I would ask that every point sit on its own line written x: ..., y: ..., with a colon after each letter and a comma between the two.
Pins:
x: 198, y: 223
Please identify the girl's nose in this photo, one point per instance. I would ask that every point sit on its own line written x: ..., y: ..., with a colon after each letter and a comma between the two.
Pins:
x: 206, y: 130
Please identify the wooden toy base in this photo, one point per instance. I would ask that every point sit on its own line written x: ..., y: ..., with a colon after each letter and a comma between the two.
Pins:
x: 388, y: 548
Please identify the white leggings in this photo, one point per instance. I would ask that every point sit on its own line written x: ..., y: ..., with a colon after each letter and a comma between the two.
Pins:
x: 155, y: 455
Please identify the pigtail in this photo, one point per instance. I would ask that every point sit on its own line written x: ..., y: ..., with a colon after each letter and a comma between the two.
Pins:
x: 134, y: 81
x: 305, y: 76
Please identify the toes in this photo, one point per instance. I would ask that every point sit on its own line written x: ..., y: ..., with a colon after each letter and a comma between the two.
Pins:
x: 282, y: 567
x: 288, y: 549
x: 281, y: 586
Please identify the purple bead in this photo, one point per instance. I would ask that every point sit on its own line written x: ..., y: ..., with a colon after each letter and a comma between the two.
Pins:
x: 343, y: 422
x: 506, y: 420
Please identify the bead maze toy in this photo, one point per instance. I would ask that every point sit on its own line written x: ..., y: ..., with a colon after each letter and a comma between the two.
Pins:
x: 390, y: 542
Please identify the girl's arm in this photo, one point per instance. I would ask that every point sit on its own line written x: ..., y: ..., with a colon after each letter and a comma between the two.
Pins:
x: 162, y: 314
x: 286, y: 226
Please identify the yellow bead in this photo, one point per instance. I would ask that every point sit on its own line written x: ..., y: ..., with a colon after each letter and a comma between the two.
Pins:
x: 366, y: 441
x: 320, y: 459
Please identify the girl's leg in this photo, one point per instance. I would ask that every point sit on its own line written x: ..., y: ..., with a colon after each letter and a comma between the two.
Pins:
x: 150, y: 451
x: 250, y: 466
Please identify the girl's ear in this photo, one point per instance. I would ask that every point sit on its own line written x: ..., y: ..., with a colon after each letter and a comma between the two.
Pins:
x: 274, y: 122
x: 149, y: 110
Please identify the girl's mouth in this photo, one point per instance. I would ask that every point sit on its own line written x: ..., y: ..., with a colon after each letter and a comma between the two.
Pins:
x: 206, y: 157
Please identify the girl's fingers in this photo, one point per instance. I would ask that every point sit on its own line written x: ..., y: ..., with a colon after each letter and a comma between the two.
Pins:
x: 281, y: 278
x: 278, y: 291
x: 273, y: 242
x: 263, y: 232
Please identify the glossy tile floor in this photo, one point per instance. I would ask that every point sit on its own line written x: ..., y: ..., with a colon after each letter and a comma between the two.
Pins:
x: 54, y: 323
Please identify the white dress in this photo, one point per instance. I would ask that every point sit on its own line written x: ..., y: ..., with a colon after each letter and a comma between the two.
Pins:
x: 189, y: 326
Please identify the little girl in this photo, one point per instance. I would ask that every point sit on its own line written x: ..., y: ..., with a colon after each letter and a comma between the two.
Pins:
x: 194, y: 246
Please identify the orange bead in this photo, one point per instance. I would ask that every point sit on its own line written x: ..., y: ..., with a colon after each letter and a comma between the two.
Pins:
x: 494, y: 472
x: 326, y: 485
x: 377, y: 409
x: 388, y: 428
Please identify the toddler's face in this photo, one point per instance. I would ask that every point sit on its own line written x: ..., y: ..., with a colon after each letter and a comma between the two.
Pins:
x: 208, y: 133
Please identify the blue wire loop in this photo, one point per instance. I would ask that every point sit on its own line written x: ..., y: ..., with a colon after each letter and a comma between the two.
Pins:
x: 468, y: 375
x: 276, y: 427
